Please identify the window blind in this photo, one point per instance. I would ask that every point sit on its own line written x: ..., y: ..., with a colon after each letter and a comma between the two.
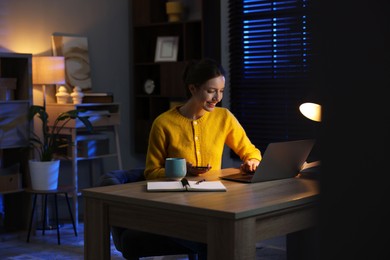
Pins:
x: 270, y: 68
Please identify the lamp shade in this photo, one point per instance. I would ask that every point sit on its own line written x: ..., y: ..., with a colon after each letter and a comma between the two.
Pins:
x: 48, y: 70
x: 311, y: 111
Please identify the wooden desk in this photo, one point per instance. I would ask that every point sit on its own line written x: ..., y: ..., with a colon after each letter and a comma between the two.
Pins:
x: 229, y: 222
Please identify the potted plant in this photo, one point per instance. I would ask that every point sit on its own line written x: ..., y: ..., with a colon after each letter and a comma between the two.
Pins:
x: 44, y: 168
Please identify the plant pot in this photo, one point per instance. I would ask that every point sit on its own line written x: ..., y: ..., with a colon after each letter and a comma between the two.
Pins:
x: 44, y: 175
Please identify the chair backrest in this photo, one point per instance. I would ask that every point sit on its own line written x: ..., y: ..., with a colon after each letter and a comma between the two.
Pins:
x: 122, y: 176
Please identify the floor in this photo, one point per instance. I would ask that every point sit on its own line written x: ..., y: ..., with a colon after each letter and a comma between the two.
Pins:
x: 14, y: 246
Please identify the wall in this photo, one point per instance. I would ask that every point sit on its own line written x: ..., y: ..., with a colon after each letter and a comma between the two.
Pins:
x: 227, y: 161
x: 355, y: 129
x: 26, y: 26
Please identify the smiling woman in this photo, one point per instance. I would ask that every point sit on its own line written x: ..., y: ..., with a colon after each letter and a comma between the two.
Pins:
x: 181, y: 131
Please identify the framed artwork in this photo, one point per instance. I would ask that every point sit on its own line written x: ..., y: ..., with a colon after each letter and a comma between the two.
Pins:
x: 167, y: 48
x: 75, y: 51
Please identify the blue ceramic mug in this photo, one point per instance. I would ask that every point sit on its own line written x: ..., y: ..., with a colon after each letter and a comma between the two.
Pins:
x: 175, y: 168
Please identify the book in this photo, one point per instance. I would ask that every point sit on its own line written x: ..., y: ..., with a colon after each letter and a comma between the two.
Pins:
x: 97, y: 94
x: 98, y: 97
x: 186, y: 186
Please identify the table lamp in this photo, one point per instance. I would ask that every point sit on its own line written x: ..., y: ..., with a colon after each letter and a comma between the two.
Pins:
x: 48, y: 70
x: 311, y: 111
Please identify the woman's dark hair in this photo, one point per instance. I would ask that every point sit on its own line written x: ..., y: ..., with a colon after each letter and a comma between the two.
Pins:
x: 198, y: 72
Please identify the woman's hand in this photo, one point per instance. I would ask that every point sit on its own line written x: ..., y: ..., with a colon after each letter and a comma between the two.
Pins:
x: 249, y: 165
x: 196, y: 170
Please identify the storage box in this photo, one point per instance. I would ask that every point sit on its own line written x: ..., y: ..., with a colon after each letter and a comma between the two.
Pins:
x: 10, y: 179
x: 7, y: 88
x: 14, y: 124
x: 92, y: 145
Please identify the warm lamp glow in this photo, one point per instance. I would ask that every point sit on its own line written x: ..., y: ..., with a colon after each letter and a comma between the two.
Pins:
x: 48, y: 70
x: 311, y: 111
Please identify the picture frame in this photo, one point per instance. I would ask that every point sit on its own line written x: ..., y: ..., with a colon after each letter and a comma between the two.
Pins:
x: 77, y: 65
x: 166, y: 48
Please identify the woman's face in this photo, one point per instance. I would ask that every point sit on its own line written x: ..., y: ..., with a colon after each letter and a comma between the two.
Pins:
x: 210, y: 93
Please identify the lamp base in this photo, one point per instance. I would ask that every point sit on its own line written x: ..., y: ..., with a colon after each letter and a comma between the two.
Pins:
x: 310, y: 170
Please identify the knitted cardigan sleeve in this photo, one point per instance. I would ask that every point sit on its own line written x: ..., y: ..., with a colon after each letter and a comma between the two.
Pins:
x: 239, y: 142
x: 155, y: 157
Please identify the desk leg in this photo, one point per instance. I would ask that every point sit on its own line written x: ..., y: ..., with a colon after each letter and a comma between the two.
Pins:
x: 231, y: 240
x: 96, y: 230
x: 303, y: 245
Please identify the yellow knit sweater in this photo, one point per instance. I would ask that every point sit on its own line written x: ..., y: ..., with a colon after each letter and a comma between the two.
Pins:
x: 200, y: 141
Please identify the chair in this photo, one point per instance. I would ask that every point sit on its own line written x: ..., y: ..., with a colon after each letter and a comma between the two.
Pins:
x: 136, y: 244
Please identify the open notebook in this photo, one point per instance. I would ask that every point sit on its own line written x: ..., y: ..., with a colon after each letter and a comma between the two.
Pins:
x: 185, y: 185
x: 281, y: 160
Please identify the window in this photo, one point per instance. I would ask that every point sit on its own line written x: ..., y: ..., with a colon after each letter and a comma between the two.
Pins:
x: 271, y: 68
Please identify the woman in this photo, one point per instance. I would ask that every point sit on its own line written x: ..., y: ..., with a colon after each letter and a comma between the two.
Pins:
x: 198, y: 130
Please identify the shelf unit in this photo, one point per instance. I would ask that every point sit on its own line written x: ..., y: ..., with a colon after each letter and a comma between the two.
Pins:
x: 15, y: 100
x: 15, y: 68
x: 199, y: 36
x: 105, y: 118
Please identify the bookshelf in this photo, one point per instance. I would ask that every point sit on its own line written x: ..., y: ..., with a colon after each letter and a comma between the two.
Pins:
x: 15, y: 100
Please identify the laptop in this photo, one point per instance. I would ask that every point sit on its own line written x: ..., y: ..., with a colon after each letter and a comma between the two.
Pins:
x: 281, y: 160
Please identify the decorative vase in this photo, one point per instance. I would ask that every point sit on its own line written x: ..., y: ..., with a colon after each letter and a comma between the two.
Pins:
x: 44, y: 175
x: 62, y: 95
x: 77, y: 95
x: 174, y: 10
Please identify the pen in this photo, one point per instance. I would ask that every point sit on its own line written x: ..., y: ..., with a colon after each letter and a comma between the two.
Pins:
x: 185, y: 183
x: 200, y: 181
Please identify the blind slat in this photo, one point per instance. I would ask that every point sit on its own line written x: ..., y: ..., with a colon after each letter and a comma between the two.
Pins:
x: 270, y: 66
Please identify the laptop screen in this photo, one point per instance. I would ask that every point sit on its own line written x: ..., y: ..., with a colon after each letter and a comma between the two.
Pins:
x: 281, y: 160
